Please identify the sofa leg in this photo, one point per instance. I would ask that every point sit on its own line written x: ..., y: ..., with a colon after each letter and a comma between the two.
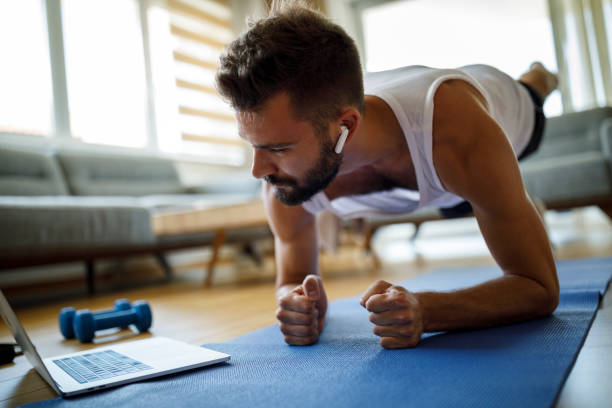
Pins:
x: 91, y: 277
x: 163, y: 262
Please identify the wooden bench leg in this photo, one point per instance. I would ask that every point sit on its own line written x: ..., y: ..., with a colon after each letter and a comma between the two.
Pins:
x: 163, y: 262
x: 367, y: 239
x: 217, y: 244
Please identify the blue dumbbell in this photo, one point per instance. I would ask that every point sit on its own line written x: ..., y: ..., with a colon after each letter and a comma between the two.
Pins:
x: 87, y: 323
x: 66, y: 316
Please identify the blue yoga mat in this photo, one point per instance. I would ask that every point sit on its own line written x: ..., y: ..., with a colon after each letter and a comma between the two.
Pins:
x: 520, y: 365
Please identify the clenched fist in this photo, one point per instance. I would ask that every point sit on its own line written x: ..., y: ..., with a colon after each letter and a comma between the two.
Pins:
x: 302, y: 310
x: 396, y: 314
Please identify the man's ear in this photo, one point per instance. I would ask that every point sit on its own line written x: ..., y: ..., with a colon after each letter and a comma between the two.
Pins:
x: 350, y: 118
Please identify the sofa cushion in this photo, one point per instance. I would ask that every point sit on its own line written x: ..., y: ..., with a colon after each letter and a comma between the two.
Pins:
x: 114, y: 174
x: 29, y: 172
x: 40, y: 224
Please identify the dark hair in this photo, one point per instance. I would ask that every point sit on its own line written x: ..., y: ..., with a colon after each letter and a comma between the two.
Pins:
x: 297, y: 50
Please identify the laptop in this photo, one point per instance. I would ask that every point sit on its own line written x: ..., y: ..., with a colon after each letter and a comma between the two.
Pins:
x: 110, y: 366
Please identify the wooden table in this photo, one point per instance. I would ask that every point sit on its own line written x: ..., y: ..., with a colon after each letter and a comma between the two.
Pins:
x: 219, y: 220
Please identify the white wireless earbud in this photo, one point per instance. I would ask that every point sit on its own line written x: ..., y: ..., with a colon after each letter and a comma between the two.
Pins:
x: 341, y: 139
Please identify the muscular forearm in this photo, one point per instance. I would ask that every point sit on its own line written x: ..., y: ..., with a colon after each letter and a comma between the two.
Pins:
x: 505, y: 300
x: 294, y: 261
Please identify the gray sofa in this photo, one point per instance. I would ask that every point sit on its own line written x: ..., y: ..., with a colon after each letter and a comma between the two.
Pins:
x: 66, y: 206
x: 62, y: 206
x: 572, y: 168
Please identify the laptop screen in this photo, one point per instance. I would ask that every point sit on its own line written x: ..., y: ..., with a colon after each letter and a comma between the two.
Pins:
x: 24, y: 341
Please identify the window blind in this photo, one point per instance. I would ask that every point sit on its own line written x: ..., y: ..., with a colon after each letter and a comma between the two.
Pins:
x: 200, y: 29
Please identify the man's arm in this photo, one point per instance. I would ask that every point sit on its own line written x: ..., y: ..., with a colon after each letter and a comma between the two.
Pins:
x: 474, y: 160
x: 299, y: 290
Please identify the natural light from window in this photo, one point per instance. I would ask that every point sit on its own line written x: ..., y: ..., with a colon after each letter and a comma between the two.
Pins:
x: 105, y: 71
x: 507, y: 34
x: 184, y: 49
x: 25, y: 76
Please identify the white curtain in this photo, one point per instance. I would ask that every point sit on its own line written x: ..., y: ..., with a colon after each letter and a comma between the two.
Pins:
x: 583, y: 43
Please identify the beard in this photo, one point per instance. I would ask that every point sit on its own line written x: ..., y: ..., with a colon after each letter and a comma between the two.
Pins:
x: 290, y: 192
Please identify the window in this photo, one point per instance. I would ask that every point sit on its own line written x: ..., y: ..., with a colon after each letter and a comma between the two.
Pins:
x: 507, y: 34
x: 582, y: 34
x: 130, y: 73
x: 186, y: 39
x: 105, y: 71
x: 25, y: 76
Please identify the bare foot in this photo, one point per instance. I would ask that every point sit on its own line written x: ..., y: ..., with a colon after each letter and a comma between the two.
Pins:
x: 541, y: 79
x: 551, y: 78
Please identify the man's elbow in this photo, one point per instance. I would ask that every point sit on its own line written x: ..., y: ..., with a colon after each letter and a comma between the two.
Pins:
x: 545, y: 299
x: 552, y: 300
x: 550, y: 293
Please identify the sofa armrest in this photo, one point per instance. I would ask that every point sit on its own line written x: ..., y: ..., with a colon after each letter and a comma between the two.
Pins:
x: 606, y: 137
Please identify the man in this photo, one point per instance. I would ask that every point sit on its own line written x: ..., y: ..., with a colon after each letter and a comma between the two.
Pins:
x: 321, y: 142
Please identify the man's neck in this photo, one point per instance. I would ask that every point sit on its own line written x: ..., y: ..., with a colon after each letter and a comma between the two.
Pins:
x: 377, y: 138
x: 377, y: 158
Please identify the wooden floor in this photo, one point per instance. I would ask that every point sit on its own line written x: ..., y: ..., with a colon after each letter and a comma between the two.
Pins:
x: 241, y: 299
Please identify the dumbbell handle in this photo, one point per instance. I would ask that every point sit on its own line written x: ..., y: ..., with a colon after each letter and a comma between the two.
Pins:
x: 114, y: 319
x: 102, y: 313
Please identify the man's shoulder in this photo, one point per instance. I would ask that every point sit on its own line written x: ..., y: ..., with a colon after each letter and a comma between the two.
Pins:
x: 460, y: 113
x: 455, y: 96
x: 396, y: 80
x: 466, y: 138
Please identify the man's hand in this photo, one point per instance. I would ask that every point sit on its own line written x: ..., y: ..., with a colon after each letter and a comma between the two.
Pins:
x: 396, y: 314
x: 302, y: 311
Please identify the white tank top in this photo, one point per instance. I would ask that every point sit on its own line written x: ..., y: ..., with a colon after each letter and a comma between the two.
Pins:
x: 409, y: 92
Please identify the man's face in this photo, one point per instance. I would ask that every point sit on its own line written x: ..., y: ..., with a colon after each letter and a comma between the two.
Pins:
x: 291, y: 191
x: 288, y: 154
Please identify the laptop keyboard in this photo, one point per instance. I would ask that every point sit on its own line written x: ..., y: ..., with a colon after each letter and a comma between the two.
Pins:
x: 99, y: 366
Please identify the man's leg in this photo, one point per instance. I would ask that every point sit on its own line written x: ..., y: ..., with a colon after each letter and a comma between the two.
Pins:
x: 542, y: 82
